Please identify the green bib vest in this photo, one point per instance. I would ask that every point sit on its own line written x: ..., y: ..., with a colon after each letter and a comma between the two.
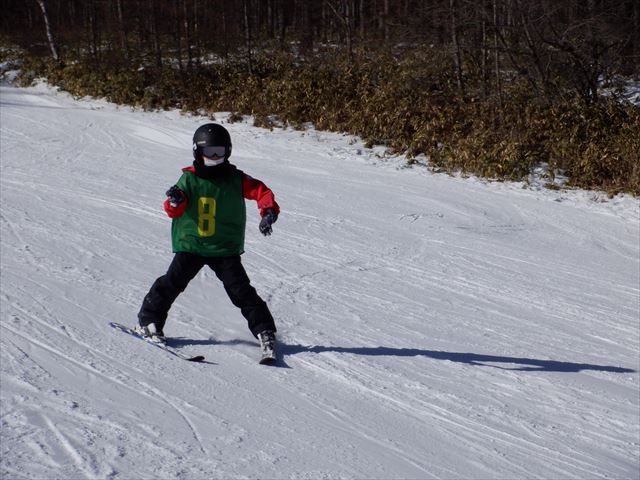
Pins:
x: 213, y: 225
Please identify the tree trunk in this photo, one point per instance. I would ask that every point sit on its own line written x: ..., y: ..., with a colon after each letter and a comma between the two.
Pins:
x: 47, y: 25
x: 348, y: 21
x: 457, y: 54
x: 187, y: 34
x: 123, y: 30
x: 247, y: 35
x: 386, y: 21
x: 156, y: 34
x: 306, y: 45
x: 178, y: 33
x: 485, y: 53
x: 497, y: 54
x: 94, y: 35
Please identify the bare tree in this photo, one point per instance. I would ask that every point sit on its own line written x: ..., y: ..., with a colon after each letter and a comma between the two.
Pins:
x: 497, y: 51
x: 457, y: 53
x: 343, y: 11
x: 47, y: 25
x: 247, y: 35
x: 124, y: 44
x: 554, y: 46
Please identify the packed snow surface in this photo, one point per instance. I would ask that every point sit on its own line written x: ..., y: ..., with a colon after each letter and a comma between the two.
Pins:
x: 429, y: 326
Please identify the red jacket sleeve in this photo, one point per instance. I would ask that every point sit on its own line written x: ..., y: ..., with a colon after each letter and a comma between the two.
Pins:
x: 256, y: 190
x: 175, y: 212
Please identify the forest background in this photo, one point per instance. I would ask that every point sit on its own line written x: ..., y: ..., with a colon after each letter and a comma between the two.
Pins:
x: 495, y: 88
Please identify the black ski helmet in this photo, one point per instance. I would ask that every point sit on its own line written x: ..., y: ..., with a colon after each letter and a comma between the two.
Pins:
x: 211, y: 135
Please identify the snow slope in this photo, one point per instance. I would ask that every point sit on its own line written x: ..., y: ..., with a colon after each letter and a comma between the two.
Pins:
x: 430, y: 326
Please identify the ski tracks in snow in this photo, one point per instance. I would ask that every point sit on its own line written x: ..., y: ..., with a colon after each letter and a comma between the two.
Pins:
x: 79, y: 425
x: 430, y: 327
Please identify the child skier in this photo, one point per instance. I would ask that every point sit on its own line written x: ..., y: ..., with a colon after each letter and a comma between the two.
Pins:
x: 209, y: 219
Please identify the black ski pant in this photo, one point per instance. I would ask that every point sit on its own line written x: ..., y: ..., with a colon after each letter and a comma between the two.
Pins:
x: 183, y: 268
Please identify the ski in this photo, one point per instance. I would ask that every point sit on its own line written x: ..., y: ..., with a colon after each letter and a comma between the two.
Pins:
x: 268, y: 359
x: 162, y: 346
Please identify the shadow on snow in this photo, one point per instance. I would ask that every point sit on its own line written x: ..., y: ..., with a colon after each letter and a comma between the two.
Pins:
x: 519, y: 363
x: 514, y: 363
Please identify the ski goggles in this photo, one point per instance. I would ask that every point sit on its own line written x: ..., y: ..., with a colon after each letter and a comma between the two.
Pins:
x: 214, y: 151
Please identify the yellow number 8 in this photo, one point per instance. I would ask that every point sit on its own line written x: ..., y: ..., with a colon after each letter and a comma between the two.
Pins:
x: 206, y: 216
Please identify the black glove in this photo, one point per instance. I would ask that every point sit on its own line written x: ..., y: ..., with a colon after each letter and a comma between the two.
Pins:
x: 269, y: 218
x: 176, y: 196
